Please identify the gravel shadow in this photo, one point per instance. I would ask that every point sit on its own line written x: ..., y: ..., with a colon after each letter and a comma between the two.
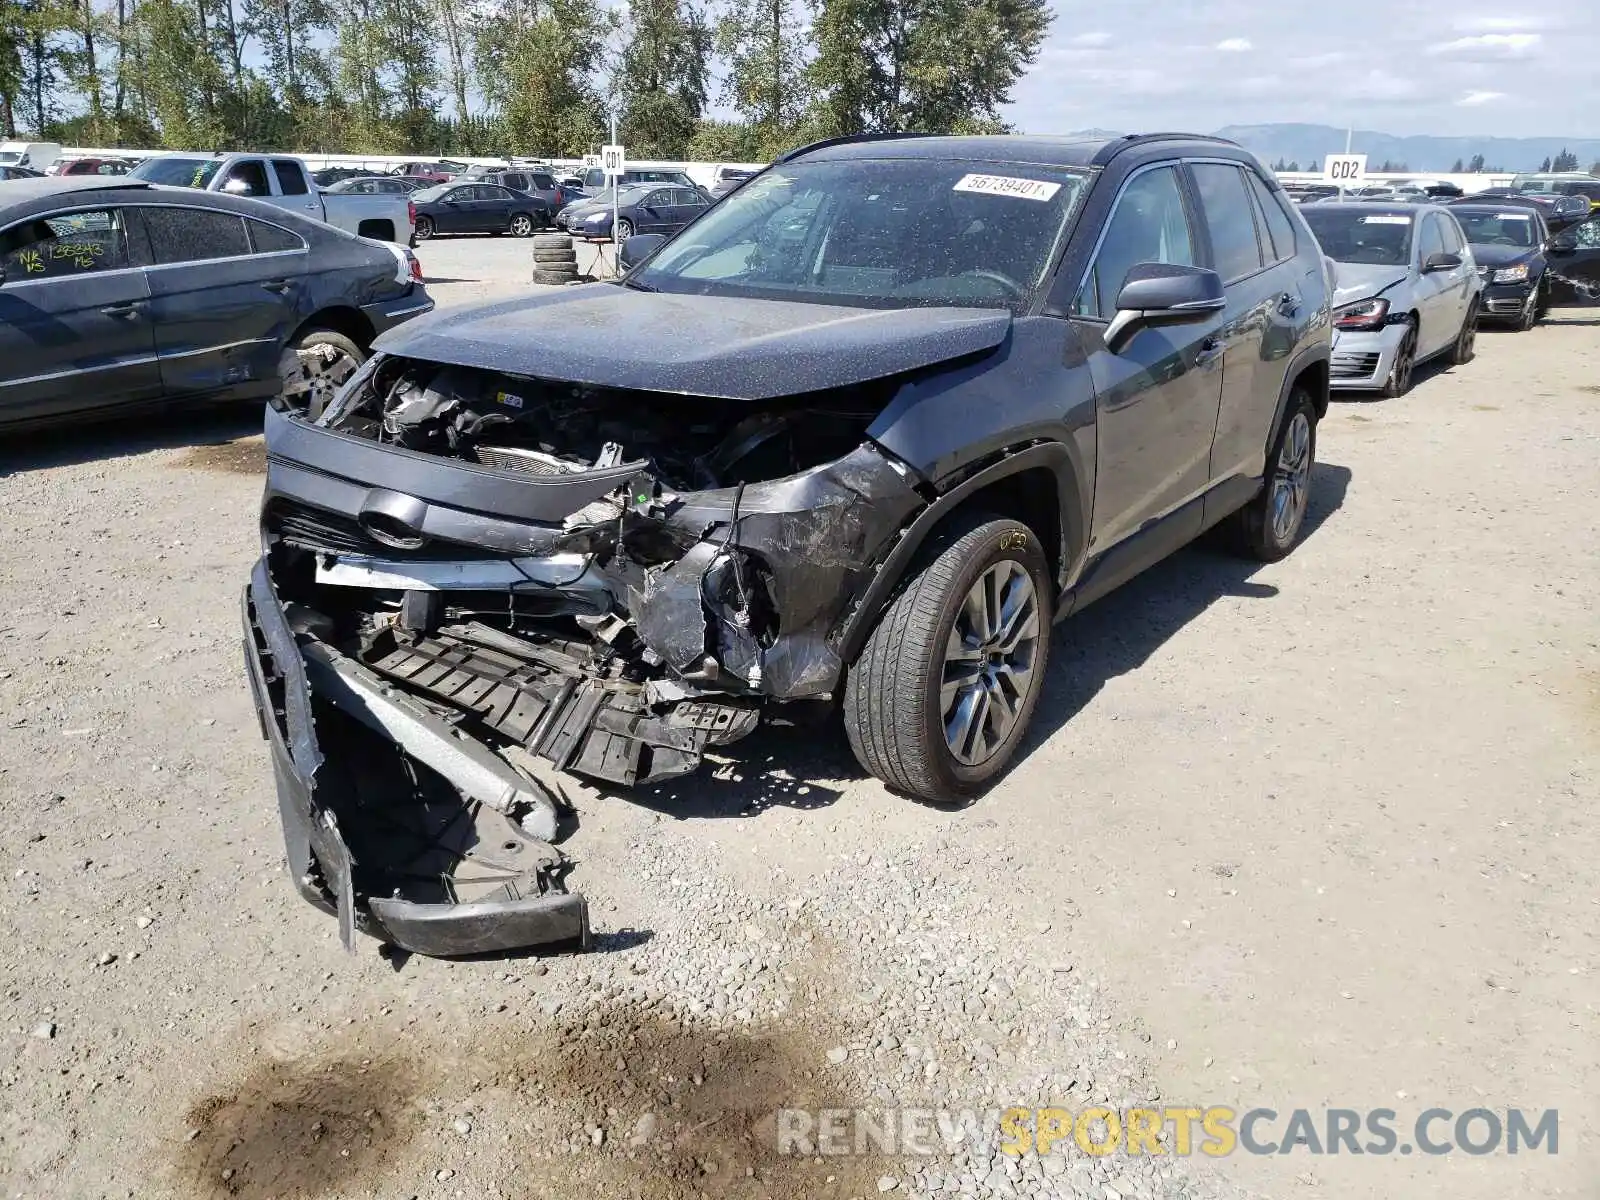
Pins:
x: 98, y: 440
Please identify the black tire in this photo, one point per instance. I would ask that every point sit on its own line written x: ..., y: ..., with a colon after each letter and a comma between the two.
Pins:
x: 894, y: 710
x: 1529, y: 316
x: 624, y: 229
x: 1256, y: 530
x: 1542, y: 310
x: 555, y: 277
x: 424, y: 228
x: 1401, y: 370
x: 330, y: 376
x: 1465, y: 346
x: 552, y: 241
x: 565, y: 254
x: 522, y: 225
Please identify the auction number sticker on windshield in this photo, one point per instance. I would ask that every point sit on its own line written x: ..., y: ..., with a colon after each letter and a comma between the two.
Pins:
x: 1386, y: 219
x: 1007, y: 185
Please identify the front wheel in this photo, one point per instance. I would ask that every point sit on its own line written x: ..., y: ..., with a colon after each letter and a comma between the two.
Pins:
x: 1466, y: 343
x: 1268, y: 527
x: 522, y: 225
x: 941, y: 695
x: 313, y: 368
x: 424, y: 228
x: 624, y: 229
x: 1405, y: 361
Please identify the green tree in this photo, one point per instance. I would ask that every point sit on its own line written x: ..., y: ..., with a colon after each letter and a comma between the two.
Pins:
x: 1459, y: 167
x: 1565, y: 161
x: 1545, y: 166
x: 408, y: 35
x: 922, y: 65
x: 763, y: 45
x: 664, y: 74
x: 536, y: 61
x: 1475, y: 164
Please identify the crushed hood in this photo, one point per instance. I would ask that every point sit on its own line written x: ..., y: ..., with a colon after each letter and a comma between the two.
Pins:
x: 1361, y: 281
x: 605, y: 335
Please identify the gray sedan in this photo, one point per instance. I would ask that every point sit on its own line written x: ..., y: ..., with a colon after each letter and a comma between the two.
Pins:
x: 1406, y: 290
x: 116, y: 294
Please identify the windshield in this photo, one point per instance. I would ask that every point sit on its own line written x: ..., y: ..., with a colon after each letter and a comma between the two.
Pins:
x: 1353, y: 235
x: 177, y: 172
x: 452, y: 166
x: 887, y: 233
x: 1496, y: 228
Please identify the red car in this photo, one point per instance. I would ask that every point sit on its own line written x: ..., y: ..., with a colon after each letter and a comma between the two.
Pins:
x: 442, y: 171
x: 90, y: 166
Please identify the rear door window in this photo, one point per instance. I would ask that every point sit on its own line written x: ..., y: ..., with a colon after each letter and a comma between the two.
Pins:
x: 516, y: 180
x: 291, y: 178
x: 1227, y: 209
x: 1279, y: 230
x: 79, y: 243
x: 183, y: 235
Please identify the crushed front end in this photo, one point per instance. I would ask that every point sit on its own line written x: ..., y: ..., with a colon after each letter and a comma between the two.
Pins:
x: 470, y: 576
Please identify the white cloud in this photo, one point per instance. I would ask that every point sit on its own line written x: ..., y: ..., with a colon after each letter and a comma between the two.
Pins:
x: 1234, y: 45
x: 1500, y: 24
x: 1473, y: 99
x: 1090, y: 41
x: 1489, y: 47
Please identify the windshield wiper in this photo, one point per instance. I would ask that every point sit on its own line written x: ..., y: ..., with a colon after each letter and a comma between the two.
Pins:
x: 637, y: 286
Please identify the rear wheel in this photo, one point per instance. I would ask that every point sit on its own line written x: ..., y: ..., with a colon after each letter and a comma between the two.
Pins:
x: 1269, y: 526
x: 313, y: 368
x: 424, y: 228
x: 941, y: 695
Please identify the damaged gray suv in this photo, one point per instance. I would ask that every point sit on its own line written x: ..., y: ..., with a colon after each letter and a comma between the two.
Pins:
x: 858, y: 436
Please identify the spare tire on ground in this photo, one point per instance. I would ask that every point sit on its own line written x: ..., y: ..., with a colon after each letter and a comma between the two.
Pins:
x: 555, y: 275
x: 550, y: 254
x: 552, y: 241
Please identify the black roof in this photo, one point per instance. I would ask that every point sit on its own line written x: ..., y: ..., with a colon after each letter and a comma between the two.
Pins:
x: 1038, y: 149
x: 17, y: 192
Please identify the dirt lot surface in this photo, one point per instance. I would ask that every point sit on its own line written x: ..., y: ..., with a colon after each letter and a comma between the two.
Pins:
x: 1319, y: 834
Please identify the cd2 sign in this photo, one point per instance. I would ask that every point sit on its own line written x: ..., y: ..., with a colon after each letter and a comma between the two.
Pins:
x: 1345, y: 170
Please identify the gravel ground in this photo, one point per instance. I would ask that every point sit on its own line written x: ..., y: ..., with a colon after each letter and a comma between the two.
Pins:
x: 1308, y: 835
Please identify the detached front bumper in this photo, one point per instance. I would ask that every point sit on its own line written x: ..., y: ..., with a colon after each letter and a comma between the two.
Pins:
x: 1362, y: 359
x: 376, y: 834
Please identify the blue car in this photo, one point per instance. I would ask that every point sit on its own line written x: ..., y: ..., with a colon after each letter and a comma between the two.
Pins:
x: 643, y: 208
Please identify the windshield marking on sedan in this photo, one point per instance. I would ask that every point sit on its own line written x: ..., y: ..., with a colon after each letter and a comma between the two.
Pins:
x: 1386, y: 220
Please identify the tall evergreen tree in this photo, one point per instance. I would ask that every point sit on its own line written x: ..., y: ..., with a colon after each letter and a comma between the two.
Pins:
x: 664, y: 74
x: 763, y: 44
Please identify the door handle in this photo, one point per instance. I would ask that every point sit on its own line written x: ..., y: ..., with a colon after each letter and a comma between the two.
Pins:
x: 129, y: 309
x: 276, y: 285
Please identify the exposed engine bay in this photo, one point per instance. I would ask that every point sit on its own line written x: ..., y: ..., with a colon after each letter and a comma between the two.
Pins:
x: 488, y: 576
x: 547, y: 427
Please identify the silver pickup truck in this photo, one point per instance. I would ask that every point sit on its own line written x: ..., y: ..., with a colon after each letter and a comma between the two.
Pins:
x: 281, y: 180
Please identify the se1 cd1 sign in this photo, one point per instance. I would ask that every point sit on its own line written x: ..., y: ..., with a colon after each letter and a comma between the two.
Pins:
x: 613, y: 160
x: 1345, y: 170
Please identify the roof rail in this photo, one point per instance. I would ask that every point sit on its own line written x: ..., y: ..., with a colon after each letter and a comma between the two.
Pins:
x: 1115, y: 147
x: 846, y: 140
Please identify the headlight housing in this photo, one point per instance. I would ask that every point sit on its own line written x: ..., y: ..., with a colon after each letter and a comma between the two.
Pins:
x: 1362, y: 314
x: 1514, y: 274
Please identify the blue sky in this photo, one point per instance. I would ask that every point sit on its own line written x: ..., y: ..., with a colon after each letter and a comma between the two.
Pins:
x: 1422, y: 66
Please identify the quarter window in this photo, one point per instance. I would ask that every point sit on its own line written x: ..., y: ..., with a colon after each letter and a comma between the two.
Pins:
x: 1233, y: 228
x: 1148, y: 225
x: 54, y: 247
x: 180, y: 235
x: 266, y: 238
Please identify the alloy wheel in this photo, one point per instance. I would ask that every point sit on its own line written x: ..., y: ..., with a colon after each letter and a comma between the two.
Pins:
x: 989, y: 660
x: 1400, y: 373
x: 521, y: 226
x: 624, y: 229
x: 1291, y: 480
x: 424, y: 228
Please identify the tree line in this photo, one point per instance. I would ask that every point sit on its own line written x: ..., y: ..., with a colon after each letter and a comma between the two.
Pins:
x: 500, y: 77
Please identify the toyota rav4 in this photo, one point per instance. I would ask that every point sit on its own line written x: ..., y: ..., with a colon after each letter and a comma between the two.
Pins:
x: 857, y: 437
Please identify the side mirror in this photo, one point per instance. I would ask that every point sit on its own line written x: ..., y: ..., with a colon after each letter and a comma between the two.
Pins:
x: 640, y: 247
x: 1441, y: 262
x: 1561, y: 244
x: 1158, y: 294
